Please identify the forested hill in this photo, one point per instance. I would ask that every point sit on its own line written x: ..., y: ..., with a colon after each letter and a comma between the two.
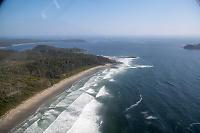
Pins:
x: 24, y: 73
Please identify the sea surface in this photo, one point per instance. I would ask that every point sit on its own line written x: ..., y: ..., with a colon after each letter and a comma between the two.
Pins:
x: 157, y: 92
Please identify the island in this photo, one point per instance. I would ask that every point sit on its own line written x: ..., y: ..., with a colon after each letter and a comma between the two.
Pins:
x: 25, y: 73
x: 192, y: 47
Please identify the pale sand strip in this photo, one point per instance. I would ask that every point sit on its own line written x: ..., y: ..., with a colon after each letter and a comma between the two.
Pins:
x: 26, y: 108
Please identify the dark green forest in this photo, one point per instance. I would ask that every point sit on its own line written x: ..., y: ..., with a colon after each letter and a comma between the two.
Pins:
x: 24, y: 73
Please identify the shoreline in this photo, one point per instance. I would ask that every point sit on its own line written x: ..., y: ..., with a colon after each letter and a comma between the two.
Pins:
x: 17, y: 115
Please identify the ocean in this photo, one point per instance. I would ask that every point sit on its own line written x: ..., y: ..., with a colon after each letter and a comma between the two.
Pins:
x: 157, y: 92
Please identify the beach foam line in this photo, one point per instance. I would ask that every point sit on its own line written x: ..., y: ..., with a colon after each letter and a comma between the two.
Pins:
x: 66, y: 119
x: 22, y: 111
x: 69, y: 99
x: 85, y: 90
x: 88, y: 121
x: 134, y: 105
x: 75, y: 94
x: 102, y: 92
x: 62, y: 102
x: 33, y: 128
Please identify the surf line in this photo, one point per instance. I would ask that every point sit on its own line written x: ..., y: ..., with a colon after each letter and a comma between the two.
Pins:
x: 192, y: 124
x: 134, y: 105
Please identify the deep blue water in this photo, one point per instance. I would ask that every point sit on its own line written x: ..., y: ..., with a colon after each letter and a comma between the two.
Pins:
x: 157, y: 93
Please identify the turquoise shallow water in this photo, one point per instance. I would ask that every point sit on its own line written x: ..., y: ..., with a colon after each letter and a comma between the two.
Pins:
x: 159, y: 92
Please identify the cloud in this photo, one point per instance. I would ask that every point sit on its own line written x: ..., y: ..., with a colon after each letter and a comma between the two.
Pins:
x: 43, y: 15
x: 56, y: 4
x: 53, y: 2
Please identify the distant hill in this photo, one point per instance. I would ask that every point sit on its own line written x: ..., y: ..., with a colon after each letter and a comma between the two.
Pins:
x: 24, y: 73
x: 192, y: 46
x: 9, y: 42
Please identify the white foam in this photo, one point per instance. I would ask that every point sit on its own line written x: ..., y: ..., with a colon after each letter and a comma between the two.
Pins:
x: 142, y: 66
x: 125, y: 64
x: 102, y: 92
x: 111, y: 80
x: 91, y: 82
x: 105, y: 71
x: 66, y: 119
x: 109, y: 73
x: 69, y: 98
x: 72, y: 102
x: 151, y: 118
x: 75, y: 94
x: 33, y: 128
x: 192, y: 124
x: 91, y: 91
x: 47, y: 118
x: 113, y: 72
x: 136, y: 104
x: 125, y: 61
x: 88, y: 121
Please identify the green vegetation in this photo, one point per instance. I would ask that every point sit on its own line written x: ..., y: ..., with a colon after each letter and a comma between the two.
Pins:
x: 22, y: 74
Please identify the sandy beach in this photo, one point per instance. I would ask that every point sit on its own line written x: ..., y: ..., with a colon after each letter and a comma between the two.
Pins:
x: 28, y: 107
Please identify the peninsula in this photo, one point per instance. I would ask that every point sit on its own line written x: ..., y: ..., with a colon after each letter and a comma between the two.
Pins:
x: 24, y: 74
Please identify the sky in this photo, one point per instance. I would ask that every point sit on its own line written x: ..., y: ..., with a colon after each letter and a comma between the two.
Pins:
x: 99, y: 17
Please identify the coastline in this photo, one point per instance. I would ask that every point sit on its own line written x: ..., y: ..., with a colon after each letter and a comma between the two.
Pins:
x: 15, y: 116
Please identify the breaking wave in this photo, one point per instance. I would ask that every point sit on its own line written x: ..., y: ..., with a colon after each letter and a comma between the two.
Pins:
x: 76, y: 109
x: 151, y: 118
x: 142, y: 66
x: 192, y: 124
x: 134, y: 105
